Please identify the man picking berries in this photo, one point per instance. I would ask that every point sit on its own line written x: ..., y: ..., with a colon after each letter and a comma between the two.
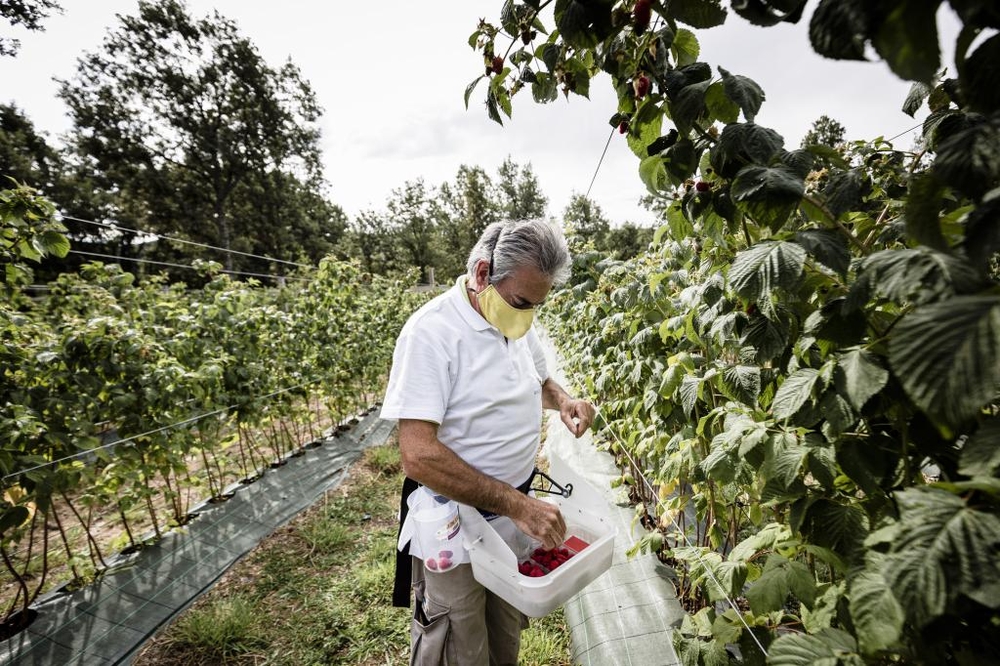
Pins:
x: 468, y: 385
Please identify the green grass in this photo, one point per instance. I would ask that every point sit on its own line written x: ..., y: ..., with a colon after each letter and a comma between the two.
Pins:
x: 318, y: 591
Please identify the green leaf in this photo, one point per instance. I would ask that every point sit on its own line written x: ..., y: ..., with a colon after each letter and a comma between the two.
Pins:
x: 685, y: 48
x: 798, y: 389
x: 469, y: 88
x: 908, y: 41
x: 943, y: 548
x: 55, y: 243
x: 923, y: 225
x: 969, y: 159
x: 843, y: 191
x: 769, y: 265
x: 859, y: 376
x: 947, y: 356
x: 689, y: 106
x: 838, y: 29
x: 698, y: 13
x: 828, y: 247
x: 583, y: 23
x: 982, y: 234
x: 741, y: 144
x: 785, y: 464
x: 979, y: 77
x: 916, y: 275
x: 719, y: 106
x: 768, y: 336
x: 769, y: 592
x: 769, y: 195
x: 981, y: 452
x: 828, y: 647
x: 839, y: 527
x: 915, y: 98
x: 12, y: 517
x: 743, y: 382
x: 653, y: 174
x: 690, y: 392
x: 877, y: 616
x: 744, y: 92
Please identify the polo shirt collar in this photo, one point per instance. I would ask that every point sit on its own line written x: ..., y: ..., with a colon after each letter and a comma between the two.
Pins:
x: 465, y: 309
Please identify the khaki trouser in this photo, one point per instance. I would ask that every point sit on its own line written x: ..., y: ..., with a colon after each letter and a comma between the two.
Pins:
x: 458, y: 622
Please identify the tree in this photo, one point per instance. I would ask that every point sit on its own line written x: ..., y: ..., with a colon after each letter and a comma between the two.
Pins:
x: 469, y: 204
x: 824, y: 131
x: 414, y: 215
x: 521, y: 196
x: 585, y: 221
x: 26, y: 13
x: 371, y: 238
x: 183, y: 124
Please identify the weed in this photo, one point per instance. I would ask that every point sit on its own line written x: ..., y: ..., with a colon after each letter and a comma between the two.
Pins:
x: 220, y: 630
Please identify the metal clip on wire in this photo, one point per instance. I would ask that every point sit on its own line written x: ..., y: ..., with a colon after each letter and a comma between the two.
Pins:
x: 565, y: 491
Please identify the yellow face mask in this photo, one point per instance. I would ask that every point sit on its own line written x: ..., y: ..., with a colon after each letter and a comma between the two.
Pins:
x: 512, y: 322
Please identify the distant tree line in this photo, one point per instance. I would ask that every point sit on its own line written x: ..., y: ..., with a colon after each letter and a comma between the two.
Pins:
x: 181, y: 129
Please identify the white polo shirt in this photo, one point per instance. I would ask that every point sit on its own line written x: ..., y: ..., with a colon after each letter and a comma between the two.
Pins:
x: 453, y: 368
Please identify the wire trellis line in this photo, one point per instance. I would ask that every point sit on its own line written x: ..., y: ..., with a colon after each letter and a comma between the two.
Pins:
x: 151, y: 262
x: 117, y: 227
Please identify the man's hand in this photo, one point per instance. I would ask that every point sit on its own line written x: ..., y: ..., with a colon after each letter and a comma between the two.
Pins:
x: 577, y: 415
x: 540, y: 520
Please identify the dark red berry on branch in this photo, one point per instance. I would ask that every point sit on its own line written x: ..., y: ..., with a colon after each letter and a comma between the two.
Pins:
x: 702, y: 186
x: 623, y: 127
x: 497, y: 64
x: 641, y: 85
x: 640, y: 16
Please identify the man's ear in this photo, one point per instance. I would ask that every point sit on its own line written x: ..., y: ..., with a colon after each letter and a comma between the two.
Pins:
x: 482, y: 274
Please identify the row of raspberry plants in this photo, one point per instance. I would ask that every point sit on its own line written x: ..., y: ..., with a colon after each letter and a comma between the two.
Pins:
x: 101, y: 357
x: 805, y: 365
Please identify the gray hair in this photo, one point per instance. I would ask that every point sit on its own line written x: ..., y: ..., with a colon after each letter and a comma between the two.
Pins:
x: 510, y: 245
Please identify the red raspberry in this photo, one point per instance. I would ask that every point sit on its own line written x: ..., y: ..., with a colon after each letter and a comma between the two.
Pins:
x: 640, y: 16
x: 702, y: 186
x: 623, y: 127
x: 641, y: 86
x: 431, y: 564
x: 497, y: 64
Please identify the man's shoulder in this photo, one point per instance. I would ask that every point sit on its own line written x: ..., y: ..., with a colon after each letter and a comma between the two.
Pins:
x: 438, y: 314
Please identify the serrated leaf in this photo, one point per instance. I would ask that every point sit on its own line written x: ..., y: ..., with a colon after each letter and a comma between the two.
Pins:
x: 877, y: 616
x: 768, y: 336
x: 947, y: 356
x: 55, y: 243
x: 698, y: 13
x: 907, y: 39
x: 718, y: 465
x: 743, y: 382
x: 916, y: 275
x: 843, y: 191
x: 744, y: 92
x: 653, y: 174
x: 719, y: 106
x: 979, y: 76
x: 839, y: 527
x: 760, y: 269
x: 860, y: 376
x: 969, y: 159
x: 923, y: 204
x: 689, y: 106
x: 825, y: 648
x: 838, y: 28
x: 943, y: 548
x: 797, y: 389
x: 769, y: 195
x: 785, y: 465
x: 741, y: 144
x: 685, y: 47
x: 919, y: 91
x: 690, y: 392
x: 981, y: 452
x: 828, y: 247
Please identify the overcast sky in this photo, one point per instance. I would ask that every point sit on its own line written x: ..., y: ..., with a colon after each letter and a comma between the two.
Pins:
x: 391, y: 75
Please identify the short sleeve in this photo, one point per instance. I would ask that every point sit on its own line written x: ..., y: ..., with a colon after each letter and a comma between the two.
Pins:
x: 419, y: 380
x: 537, y: 354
